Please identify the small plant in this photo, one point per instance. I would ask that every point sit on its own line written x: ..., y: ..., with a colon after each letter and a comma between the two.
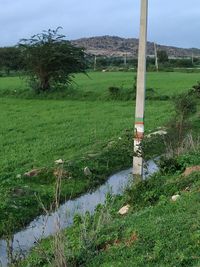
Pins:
x: 196, y: 89
x: 114, y: 91
x: 170, y: 166
x: 185, y: 106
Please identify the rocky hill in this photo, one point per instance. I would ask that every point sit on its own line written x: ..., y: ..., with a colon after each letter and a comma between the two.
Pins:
x: 112, y: 46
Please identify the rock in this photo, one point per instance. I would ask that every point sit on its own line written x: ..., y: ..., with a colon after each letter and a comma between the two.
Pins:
x: 124, y: 210
x: 160, y: 132
x: 190, y: 170
x: 87, y: 171
x: 32, y: 173
x: 175, y: 197
x: 59, y: 161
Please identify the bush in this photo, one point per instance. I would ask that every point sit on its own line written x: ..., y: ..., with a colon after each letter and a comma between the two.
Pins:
x: 185, y: 105
x: 114, y: 91
x: 170, y: 166
x: 196, y: 89
x: 178, y: 128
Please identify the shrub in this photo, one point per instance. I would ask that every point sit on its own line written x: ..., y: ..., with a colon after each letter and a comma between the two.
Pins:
x: 196, y: 89
x: 185, y: 106
x: 170, y: 166
x: 114, y: 91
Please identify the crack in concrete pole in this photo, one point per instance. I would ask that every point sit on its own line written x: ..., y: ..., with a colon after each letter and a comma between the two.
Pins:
x: 141, y: 88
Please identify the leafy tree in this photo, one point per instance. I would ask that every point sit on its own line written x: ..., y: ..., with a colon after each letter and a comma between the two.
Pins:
x: 50, y: 59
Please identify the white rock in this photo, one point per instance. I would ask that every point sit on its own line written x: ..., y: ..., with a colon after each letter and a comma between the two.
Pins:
x: 87, y: 171
x: 161, y: 132
x: 124, y: 210
x: 175, y: 197
x: 32, y: 173
x: 59, y: 161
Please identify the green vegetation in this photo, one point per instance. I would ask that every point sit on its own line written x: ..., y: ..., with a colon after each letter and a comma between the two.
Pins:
x: 96, y: 84
x: 156, y: 231
x: 38, y: 132
x: 49, y: 60
x: 10, y: 60
x: 162, y: 56
x: 165, y: 63
x: 35, y: 132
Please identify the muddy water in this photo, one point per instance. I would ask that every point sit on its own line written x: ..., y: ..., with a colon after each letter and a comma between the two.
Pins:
x: 46, y: 225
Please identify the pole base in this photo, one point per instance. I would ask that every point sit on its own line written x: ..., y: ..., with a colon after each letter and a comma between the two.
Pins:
x: 138, y: 166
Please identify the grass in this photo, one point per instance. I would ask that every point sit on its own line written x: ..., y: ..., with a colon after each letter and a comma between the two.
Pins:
x: 36, y: 132
x: 96, y: 83
x: 166, y: 83
x: 39, y: 132
x: 155, y: 232
x: 164, y: 237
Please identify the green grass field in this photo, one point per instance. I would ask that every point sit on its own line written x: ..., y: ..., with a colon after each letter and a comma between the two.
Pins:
x: 34, y: 132
x: 166, y: 83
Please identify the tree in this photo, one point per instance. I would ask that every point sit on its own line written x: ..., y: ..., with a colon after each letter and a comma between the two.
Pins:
x: 162, y: 56
x: 49, y: 59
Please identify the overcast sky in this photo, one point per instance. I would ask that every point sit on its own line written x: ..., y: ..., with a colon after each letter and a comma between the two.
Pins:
x: 171, y: 22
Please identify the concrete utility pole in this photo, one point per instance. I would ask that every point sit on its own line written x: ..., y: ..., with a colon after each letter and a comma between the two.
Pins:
x: 141, y: 85
x: 156, y: 56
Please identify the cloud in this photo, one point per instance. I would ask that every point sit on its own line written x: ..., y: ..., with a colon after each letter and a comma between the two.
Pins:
x: 170, y: 22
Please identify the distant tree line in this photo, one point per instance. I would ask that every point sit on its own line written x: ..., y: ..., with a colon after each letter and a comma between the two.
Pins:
x: 165, y: 63
x: 11, y: 59
x: 49, y: 61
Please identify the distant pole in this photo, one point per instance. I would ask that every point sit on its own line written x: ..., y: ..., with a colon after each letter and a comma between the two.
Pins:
x: 192, y: 58
x: 141, y: 86
x: 125, y: 59
x: 156, y: 56
x: 95, y: 63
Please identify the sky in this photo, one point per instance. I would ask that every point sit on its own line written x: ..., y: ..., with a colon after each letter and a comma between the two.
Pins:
x: 170, y: 22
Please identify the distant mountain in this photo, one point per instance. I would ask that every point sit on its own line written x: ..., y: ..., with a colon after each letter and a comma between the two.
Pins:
x: 113, y: 46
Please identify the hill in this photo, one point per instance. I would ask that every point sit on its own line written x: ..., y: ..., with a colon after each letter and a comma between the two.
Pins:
x: 113, y: 46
